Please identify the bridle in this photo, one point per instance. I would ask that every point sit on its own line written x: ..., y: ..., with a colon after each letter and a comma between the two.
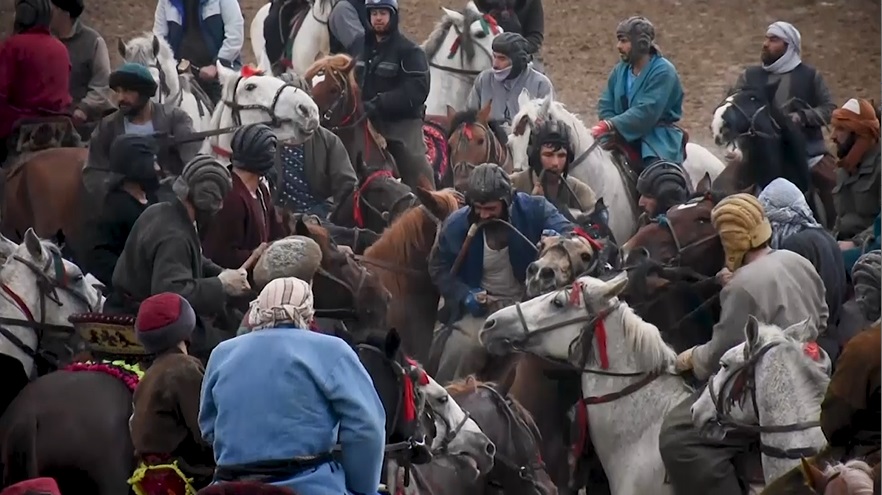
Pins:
x: 751, y: 119
x: 494, y: 150
x: 164, y: 89
x: 662, y: 221
x: 450, y: 431
x: 742, y: 382
x: 576, y: 269
x: 359, y: 200
x: 275, y: 121
x: 354, y: 291
x: 48, y: 288
x: 347, y: 95
x: 459, y: 46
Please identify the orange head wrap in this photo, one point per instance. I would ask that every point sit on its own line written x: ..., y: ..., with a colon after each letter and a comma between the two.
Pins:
x: 859, y: 117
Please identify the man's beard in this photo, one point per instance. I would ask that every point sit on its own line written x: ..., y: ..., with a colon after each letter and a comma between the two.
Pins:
x: 384, y: 29
x: 767, y: 57
x: 842, y: 149
x: 132, y: 110
x: 626, y: 57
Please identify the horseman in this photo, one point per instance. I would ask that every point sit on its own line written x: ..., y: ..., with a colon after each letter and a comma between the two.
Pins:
x: 89, y: 62
x: 165, y: 416
x: 137, y: 114
x: 477, y: 275
x: 163, y: 253
x: 551, y: 153
x: 279, y: 423
x: 512, y: 73
x: 34, y: 70
x: 248, y: 217
x: 524, y: 17
x: 133, y: 158
x: 643, y: 100
x: 393, y: 74
x: 661, y: 186
x: 778, y: 287
x: 857, y: 197
x: 203, y: 32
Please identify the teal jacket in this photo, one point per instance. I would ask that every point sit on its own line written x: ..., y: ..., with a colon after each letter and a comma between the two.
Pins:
x: 647, y: 113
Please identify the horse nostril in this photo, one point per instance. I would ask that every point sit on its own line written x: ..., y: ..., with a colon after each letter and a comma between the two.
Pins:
x: 546, y: 273
x: 303, y: 110
x: 489, y: 323
x: 490, y: 449
x: 532, y: 269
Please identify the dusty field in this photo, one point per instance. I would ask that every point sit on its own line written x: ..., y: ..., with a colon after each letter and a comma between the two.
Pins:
x: 709, y: 41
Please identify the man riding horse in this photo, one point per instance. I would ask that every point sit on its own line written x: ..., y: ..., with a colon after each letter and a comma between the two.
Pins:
x: 137, y: 114
x: 661, y: 186
x: 643, y: 100
x: 477, y: 275
x: 776, y: 286
x: 502, y: 84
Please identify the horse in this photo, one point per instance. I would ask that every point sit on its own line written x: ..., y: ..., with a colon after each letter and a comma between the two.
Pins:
x: 400, y: 259
x: 473, y: 139
x: 307, y: 38
x: 41, y: 290
x: 771, y: 146
x: 156, y: 54
x: 458, y: 49
x: 517, y: 468
x: 850, y: 478
x: 595, y: 166
x: 772, y: 384
x: 378, y: 200
x: 560, y: 260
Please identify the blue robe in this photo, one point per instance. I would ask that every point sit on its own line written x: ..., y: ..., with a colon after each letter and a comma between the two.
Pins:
x: 529, y: 214
x: 280, y: 393
x: 654, y: 103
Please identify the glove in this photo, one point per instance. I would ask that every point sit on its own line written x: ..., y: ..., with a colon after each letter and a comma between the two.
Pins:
x: 684, y: 360
x: 371, y: 107
x: 601, y: 128
x: 472, y: 305
x: 235, y: 282
x: 550, y: 233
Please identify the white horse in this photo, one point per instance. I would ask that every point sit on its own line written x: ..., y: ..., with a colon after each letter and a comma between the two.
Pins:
x: 625, y: 430
x: 66, y: 293
x: 790, y: 379
x: 253, y: 98
x: 597, y: 169
x: 313, y: 40
x: 174, y: 91
x: 458, y: 49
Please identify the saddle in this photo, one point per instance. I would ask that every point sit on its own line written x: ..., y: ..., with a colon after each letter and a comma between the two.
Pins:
x: 30, y: 135
x: 108, y: 336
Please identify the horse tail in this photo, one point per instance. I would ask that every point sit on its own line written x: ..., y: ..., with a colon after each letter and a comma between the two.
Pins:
x: 19, y: 456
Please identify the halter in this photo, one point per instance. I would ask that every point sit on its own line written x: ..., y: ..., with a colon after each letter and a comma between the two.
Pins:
x: 577, y: 233
x: 662, y: 221
x: 358, y: 199
x: 275, y: 121
x: 741, y: 382
x: 494, y: 150
x: 451, y: 431
x: 489, y: 25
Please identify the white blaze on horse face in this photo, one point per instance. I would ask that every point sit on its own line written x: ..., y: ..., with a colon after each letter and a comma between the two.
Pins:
x: 318, y: 79
x: 717, y: 122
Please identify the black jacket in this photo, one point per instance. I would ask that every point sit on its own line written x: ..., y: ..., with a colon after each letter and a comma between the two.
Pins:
x: 394, y: 74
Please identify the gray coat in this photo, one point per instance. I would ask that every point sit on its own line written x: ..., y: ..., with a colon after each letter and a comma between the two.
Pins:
x: 329, y: 171
x: 504, y: 95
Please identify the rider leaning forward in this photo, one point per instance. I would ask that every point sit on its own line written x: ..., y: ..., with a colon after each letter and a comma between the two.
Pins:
x: 661, y: 186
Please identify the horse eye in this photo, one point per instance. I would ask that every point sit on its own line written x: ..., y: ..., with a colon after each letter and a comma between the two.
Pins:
x: 724, y: 366
x: 481, y: 142
x: 556, y: 303
x: 250, y: 87
x: 480, y: 34
x: 443, y: 399
x: 586, y: 256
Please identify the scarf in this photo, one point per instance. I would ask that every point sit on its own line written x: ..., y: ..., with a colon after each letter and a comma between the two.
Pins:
x: 284, y: 301
x: 859, y: 117
x: 791, y: 57
x: 787, y: 210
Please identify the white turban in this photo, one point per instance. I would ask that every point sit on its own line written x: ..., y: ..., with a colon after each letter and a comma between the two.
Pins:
x: 792, y: 57
x: 283, y: 301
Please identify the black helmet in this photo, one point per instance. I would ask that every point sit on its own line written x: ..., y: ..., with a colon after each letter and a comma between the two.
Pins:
x: 134, y: 156
x: 253, y: 148
x: 550, y: 132
x: 489, y: 182
x: 665, y: 182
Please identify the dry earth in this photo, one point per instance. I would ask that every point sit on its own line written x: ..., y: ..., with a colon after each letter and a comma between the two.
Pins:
x: 709, y: 41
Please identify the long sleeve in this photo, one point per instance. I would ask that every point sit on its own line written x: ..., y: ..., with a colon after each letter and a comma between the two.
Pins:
x: 234, y: 31
x: 102, y: 258
x: 160, y: 20
x: 207, y: 407
x: 346, y: 26
x: 362, y: 436
x: 441, y: 261
x: 189, y: 382
x: 736, y: 305
x: 227, y: 230
x: 820, y: 114
x: 545, y: 89
x: 340, y: 170
x: 533, y: 26
x: 411, y: 94
x: 648, y: 105
x: 606, y: 107
x: 171, y: 273
x: 97, y: 101
x: 554, y: 220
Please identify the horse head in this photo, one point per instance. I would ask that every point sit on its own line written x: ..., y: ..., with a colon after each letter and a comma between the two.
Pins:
x: 461, y: 42
x: 852, y: 477
x: 531, y: 112
x: 332, y: 82
x: 156, y: 54
x: 379, y: 199
x: 772, y: 383
x: 473, y: 139
x: 561, y: 259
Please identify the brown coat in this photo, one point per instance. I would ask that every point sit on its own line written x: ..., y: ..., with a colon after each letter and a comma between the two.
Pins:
x: 242, y: 224
x: 582, y: 199
x: 165, y: 420
x: 850, y: 413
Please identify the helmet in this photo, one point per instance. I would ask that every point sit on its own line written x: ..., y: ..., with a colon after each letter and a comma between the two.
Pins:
x: 32, y: 13
x: 134, y: 77
x: 489, y: 182
x: 134, y: 156
x: 665, y: 182
x: 550, y: 132
x: 640, y: 32
x: 205, y: 182
x: 382, y: 4
x: 254, y: 148
x: 513, y: 46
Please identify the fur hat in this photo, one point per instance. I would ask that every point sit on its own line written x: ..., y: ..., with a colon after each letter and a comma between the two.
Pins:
x: 36, y: 486
x: 742, y: 224
x: 245, y: 488
x: 164, y: 320
x: 295, y: 256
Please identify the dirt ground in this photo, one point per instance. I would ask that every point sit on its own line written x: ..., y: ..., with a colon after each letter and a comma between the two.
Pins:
x: 709, y: 41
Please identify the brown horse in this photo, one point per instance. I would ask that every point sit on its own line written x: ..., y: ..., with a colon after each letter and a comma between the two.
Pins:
x: 473, y: 139
x: 378, y: 200
x: 400, y: 258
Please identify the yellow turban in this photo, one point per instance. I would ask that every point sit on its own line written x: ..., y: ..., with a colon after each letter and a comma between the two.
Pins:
x: 742, y: 224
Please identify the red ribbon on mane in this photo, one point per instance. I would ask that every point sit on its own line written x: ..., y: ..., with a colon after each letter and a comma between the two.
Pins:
x: 249, y: 70
x: 356, y: 197
x: 594, y: 243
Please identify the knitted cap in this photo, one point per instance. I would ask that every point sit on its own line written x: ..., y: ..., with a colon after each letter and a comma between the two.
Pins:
x: 742, y: 224
x: 163, y: 321
x: 41, y: 486
x: 245, y: 488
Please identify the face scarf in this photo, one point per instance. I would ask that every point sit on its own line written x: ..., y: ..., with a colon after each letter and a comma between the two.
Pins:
x: 786, y: 210
x: 502, y: 74
x: 791, y: 57
x: 858, y: 117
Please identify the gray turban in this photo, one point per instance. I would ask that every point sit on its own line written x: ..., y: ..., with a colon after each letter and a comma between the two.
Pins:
x: 641, y: 33
x: 205, y: 182
x: 513, y: 46
x: 866, y: 276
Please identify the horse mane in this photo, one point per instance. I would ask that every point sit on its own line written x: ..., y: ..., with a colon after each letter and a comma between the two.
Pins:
x: 436, y: 39
x: 339, y: 64
x: 856, y: 474
x: 471, y: 117
x: 321, y: 236
x: 470, y: 385
x: 651, y: 351
x: 141, y: 49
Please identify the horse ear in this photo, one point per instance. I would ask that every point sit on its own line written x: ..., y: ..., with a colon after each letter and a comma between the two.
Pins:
x: 300, y: 228
x: 32, y: 243
x: 484, y: 113
x: 751, y: 189
x: 392, y: 343
x: 545, y: 106
x: 704, y: 185
x: 121, y: 48
x: 155, y: 46
x: 751, y: 332
x: 453, y: 15
x: 801, y: 332
x: 615, y: 286
x: 451, y: 113
x: 426, y: 198
x: 524, y: 98
x: 813, y: 476
x: 350, y: 64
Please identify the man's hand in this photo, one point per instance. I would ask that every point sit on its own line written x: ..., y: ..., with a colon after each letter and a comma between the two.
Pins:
x: 538, y: 190
x: 601, y: 128
x: 796, y: 118
x: 845, y: 245
x: 208, y: 73
x: 474, y: 303
x: 79, y: 115
x: 684, y: 360
x: 371, y: 107
x: 724, y: 276
x: 235, y: 282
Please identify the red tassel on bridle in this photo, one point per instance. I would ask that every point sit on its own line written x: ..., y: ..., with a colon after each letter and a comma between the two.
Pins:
x: 248, y: 71
x: 409, y: 400
x: 599, y: 326
x: 594, y: 243
x: 356, y: 196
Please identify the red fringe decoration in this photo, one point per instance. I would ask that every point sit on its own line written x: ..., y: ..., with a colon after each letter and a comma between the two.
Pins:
x: 130, y: 379
x: 594, y: 243
x: 356, y: 196
x: 494, y: 26
x: 582, y: 424
x: 454, y: 47
x: 812, y: 350
x: 424, y: 377
x: 600, y: 336
x: 409, y: 401
x: 467, y: 131
x: 248, y: 71
x: 576, y: 293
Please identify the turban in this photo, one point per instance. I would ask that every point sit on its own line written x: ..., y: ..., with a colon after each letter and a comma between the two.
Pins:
x: 205, y: 182
x: 786, y: 209
x: 742, y: 225
x: 791, y: 58
x: 859, y: 117
x: 283, y: 301
x: 866, y: 276
x: 163, y: 321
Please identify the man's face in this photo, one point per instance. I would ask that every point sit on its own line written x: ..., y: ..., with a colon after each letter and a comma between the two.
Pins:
x: 773, y: 48
x: 128, y: 101
x: 844, y: 140
x: 501, y: 61
x: 624, y: 47
x: 380, y: 20
x: 647, y: 204
x: 488, y: 210
x: 59, y: 20
x: 553, y: 160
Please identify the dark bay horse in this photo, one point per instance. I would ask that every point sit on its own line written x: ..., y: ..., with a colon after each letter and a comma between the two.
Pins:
x: 473, y: 139
x: 400, y: 258
x: 377, y: 201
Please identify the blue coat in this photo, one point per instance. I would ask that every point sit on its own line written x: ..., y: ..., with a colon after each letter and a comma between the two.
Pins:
x: 280, y: 393
x: 647, y: 112
x: 223, y: 27
x: 529, y: 214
